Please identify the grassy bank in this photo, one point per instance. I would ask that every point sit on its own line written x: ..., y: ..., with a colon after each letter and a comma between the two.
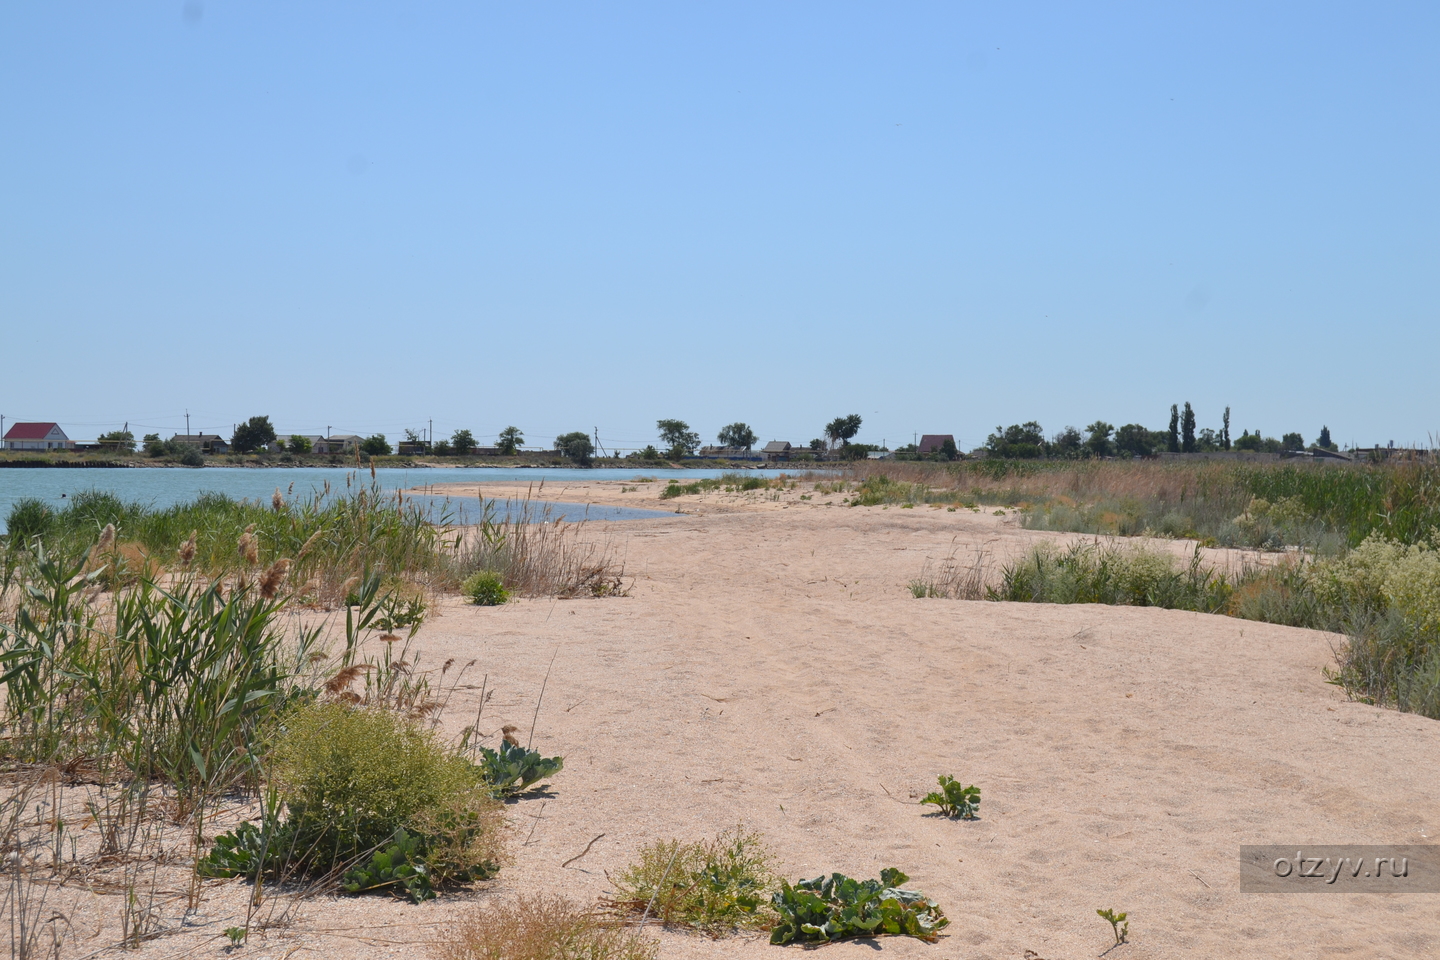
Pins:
x: 1368, y: 563
x: 1325, y: 507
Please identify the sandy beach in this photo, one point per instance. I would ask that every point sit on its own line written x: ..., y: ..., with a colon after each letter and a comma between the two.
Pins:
x: 770, y: 666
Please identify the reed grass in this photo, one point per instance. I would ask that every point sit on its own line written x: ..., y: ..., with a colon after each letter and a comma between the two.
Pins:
x: 535, y: 554
x: 1326, y: 506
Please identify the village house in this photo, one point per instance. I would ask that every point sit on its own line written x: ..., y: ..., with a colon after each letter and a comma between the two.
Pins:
x: 933, y: 442
x: 205, y: 442
x: 341, y: 443
x: 776, y: 450
x: 37, y: 436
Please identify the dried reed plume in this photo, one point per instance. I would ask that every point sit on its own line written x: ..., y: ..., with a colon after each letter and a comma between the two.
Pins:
x: 187, y: 549
x: 277, y: 501
x: 107, y: 539
x: 249, y: 549
x: 345, y: 677
x: 389, y: 637
x: 508, y: 733
x: 305, y: 548
x: 270, y: 582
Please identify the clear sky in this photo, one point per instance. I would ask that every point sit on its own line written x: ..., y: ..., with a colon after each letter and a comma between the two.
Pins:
x: 576, y: 215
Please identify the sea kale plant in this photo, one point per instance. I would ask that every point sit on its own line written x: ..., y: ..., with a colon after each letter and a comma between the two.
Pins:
x: 837, y: 907
x: 955, y: 800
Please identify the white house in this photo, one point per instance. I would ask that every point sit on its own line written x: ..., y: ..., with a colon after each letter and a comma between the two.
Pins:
x: 37, y: 436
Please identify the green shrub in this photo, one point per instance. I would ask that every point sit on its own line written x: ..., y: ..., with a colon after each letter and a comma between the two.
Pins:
x: 1096, y: 573
x: 837, y: 907
x: 955, y: 800
x: 373, y: 796
x: 485, y: 589
x: 29, y: 518
x: 716, y: 885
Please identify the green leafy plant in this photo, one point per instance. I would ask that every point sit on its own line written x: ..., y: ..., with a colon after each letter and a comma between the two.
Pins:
x: 955, y: 800
x: 1118, y: 924
x: 399, y: 863
x: 513, y: 768
x: 837, y: 907
x: 236, y: 934
x: 716, y: 886
x: 485, y: 589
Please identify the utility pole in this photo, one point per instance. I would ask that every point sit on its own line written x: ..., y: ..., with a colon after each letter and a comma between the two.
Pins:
x: 597, y: 442
x: 187, y: 422
x: 430, y: 437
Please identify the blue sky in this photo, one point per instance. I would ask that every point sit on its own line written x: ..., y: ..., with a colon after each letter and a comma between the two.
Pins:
x: 570, y: 216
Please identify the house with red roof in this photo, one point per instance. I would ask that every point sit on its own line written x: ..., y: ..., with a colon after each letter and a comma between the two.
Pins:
x: 37, y: 436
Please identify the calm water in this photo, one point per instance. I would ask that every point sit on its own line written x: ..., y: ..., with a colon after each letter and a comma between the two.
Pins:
x: 162, y: 487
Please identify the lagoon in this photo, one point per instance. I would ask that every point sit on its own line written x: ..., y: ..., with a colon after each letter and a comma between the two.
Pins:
x: 164, y: 487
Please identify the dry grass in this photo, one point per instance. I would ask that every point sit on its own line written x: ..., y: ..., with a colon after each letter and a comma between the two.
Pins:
x: 1081, y: 480
x: 959, y: 577
x: 542, y: 928
x: 536, y: 555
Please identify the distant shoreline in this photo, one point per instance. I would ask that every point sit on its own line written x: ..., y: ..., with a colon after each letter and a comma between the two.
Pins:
x: 226, y: 463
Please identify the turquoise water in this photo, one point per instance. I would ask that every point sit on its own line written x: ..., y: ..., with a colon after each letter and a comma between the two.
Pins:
x: 163, y: 487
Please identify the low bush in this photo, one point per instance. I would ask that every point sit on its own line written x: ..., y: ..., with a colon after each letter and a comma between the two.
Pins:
x: 837, y: 908
x: 485, y: 589
x: 1112, y: 574
x: 542, y: 928
x: 716, y: 886
x: 371, y: 799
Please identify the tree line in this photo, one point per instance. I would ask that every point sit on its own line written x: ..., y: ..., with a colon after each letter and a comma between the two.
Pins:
x: 1025, y: 441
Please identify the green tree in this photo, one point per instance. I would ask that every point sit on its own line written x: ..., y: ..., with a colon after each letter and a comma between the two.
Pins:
x: 678, y: 438
x: 1134, y: 440
x: 1225, y: 431
x: 842, y: 430
x: 1292, y: 442
x: 1187, y: 429
x: 1067, y: 443
x: 1019, y: 441
x: 375, y: 446
x: 948, y: 450
x: 576, y: 446
x: 252, y: 435
x: 737, y: 435
x: 1324, y: 442
x: 1097, y: 439
x: 118, y: 440
x: 1250, y: 442
x: 1172, y: 442
x: 462, y: 442
x: 511, y: 440
x: 298, y: 444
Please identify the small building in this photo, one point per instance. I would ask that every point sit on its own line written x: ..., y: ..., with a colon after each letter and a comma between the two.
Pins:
x: 409, y: 448
x: 879, y: 455
x: 934, y: 442
x: 776, y: 450
x: 37, y: 436
x: 724, y: 453
x: 204, y: 442
x: 342, y: 443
